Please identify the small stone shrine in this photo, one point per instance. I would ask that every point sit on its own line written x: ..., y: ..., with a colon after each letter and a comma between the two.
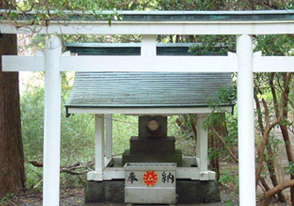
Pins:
x: 152, y: 144
x: 152, y: 170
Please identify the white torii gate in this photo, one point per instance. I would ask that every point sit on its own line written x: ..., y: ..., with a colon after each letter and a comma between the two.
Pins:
x: 244, y: 62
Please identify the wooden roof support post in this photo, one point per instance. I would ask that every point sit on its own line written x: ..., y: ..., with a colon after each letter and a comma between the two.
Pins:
x: 246, y: 121
x: 202, y: 146
x: 108, y: 138
x: 52, y: 118
x: 99, y: 147
x: 100, y: 159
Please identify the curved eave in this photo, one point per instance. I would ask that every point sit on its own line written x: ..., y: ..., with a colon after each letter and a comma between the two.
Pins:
x: 166, y: 22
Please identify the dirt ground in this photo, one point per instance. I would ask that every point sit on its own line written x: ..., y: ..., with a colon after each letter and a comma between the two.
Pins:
x: 69, y: 197
x: 74, y: 197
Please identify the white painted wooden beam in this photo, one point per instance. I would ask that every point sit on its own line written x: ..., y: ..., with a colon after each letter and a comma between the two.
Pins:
x: 15, y: 63
x: 273, y: 64
x: 99, y: 146
x: 148, y: 46
x: 246, y: 121
x: 52, y: 119
x: 149, y: 63
x: 157, y: 28
x: 140, y: 111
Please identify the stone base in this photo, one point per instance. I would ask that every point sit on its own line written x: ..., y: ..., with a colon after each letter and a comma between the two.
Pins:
x: 153, y: 157
x: 188, y: 192
x: 112, y: 191
x: 191, y: 192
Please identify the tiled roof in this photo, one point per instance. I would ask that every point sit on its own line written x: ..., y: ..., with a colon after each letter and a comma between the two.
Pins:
x: 144, y: 89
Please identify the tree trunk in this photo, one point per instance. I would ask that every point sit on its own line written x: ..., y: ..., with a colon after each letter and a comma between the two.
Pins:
x: 284, y: 185
x: 270, y: 162
x: 271, y: 165
x: 284, y: 128
x: 12, y: 175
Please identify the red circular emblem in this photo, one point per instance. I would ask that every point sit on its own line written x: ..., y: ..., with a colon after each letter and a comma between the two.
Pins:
x: 150, y: 178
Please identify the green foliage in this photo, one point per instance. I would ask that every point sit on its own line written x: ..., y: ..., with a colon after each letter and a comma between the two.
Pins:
x: 279, y: 45
x: 45, y: 11
x: 185, y: 139
x: 228, y: 94
x: 7, y: 199
x: 228, y: 179
x: 225, y: 95
x: 290, y: 168
x: 232, y: 199
x: 213, y: 45
x: 34, y: 178
x: 124, y: 127
x: 32, y: 107
x: 214, y: 153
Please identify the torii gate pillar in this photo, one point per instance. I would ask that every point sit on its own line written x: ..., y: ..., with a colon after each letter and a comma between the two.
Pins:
x: 52, y: 118
x: 246, y: 121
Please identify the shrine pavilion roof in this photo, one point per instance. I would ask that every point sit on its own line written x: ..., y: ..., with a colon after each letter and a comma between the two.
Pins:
x: 144, y: 89
x: 147, y: 89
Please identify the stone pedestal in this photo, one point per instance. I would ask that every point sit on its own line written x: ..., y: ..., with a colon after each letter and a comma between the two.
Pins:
x: 188, y: 191
x: 152, y: 144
